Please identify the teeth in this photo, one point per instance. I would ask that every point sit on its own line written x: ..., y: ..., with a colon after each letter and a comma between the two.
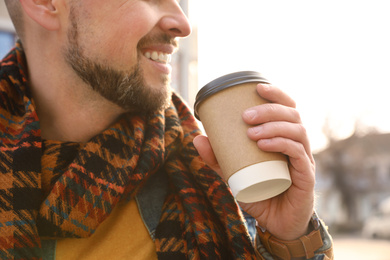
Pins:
x: 154, y: 56
x: 163, y: 57
x: 159, y: 57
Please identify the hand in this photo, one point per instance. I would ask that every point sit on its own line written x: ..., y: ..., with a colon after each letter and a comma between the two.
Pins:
x: 277, y: 127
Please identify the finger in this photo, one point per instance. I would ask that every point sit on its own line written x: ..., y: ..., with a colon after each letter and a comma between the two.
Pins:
x: 295, y: 132
x: 296, y: 152
x: 202, y: 144
x: 270, y: 112
x: 275, y: 95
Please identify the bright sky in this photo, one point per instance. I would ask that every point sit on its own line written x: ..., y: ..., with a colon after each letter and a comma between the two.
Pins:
x: 331, y: 56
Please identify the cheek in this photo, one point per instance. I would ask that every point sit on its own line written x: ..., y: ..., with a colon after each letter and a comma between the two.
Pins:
x: 118, y: 37
x: 110, y: 34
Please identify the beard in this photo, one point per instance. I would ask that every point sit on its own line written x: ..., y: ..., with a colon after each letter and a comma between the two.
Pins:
x: 127, y: 89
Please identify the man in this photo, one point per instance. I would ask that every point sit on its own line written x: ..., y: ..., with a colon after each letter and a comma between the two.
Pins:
x: 98, y: 158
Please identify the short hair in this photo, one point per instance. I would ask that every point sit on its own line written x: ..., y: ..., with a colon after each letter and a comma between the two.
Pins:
x: 15, y: 12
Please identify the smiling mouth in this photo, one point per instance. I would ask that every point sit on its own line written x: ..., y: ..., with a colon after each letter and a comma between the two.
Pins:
x: 160, y: 57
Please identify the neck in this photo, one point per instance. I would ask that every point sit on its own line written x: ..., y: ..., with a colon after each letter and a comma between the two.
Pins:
x: 73, y: 123
x: 73, y: 116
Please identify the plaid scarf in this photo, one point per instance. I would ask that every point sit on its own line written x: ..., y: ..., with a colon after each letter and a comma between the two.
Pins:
x: 200, y: 219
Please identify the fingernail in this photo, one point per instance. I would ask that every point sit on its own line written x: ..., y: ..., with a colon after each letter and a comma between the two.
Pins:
x: 264, y: 141
x: 266, y: 86
x: 250, y: 114
x: 195, y: 141
x: 256, y: 130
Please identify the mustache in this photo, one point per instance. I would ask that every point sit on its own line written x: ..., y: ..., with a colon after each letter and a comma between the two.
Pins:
x: 158, y: 39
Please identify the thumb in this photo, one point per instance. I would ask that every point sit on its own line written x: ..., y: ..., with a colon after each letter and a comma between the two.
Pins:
x: 202, y: 144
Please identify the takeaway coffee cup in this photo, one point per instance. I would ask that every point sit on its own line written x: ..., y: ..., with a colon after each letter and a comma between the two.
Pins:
x: 252, y: 174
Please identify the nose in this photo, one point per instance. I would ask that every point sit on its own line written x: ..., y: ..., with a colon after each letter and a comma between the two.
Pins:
x: 175, y: 22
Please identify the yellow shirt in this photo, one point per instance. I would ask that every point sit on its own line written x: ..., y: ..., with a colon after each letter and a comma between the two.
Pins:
x: 122, y: 235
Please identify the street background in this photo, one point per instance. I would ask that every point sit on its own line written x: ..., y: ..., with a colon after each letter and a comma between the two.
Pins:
x: 357, y: 248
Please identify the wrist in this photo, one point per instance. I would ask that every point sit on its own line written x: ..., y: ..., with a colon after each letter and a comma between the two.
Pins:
x: 303, y: 247
x: 290, y: 233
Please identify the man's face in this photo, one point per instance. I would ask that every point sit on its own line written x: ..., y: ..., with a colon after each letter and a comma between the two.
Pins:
x: 122, y: 48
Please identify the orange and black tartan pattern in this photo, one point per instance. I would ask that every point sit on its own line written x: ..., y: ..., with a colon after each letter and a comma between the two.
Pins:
x: 200, y: 219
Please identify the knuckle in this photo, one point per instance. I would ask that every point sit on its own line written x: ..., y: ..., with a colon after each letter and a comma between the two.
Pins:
x: 302, y: 130
x: 269, y: 110
x: 296, y: 115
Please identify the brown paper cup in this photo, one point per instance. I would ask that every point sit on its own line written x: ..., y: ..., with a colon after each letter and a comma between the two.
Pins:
x: 252, y: 174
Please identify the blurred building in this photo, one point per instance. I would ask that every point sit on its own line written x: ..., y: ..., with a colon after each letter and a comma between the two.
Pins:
x: 184, y: 62
x: 353, y: 177
x: 7, y: 35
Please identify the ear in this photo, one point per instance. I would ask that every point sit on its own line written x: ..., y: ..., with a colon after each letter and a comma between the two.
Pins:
x: 43, y: 12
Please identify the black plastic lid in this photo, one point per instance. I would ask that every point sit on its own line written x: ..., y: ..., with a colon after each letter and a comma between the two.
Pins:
x: 225, y: 82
